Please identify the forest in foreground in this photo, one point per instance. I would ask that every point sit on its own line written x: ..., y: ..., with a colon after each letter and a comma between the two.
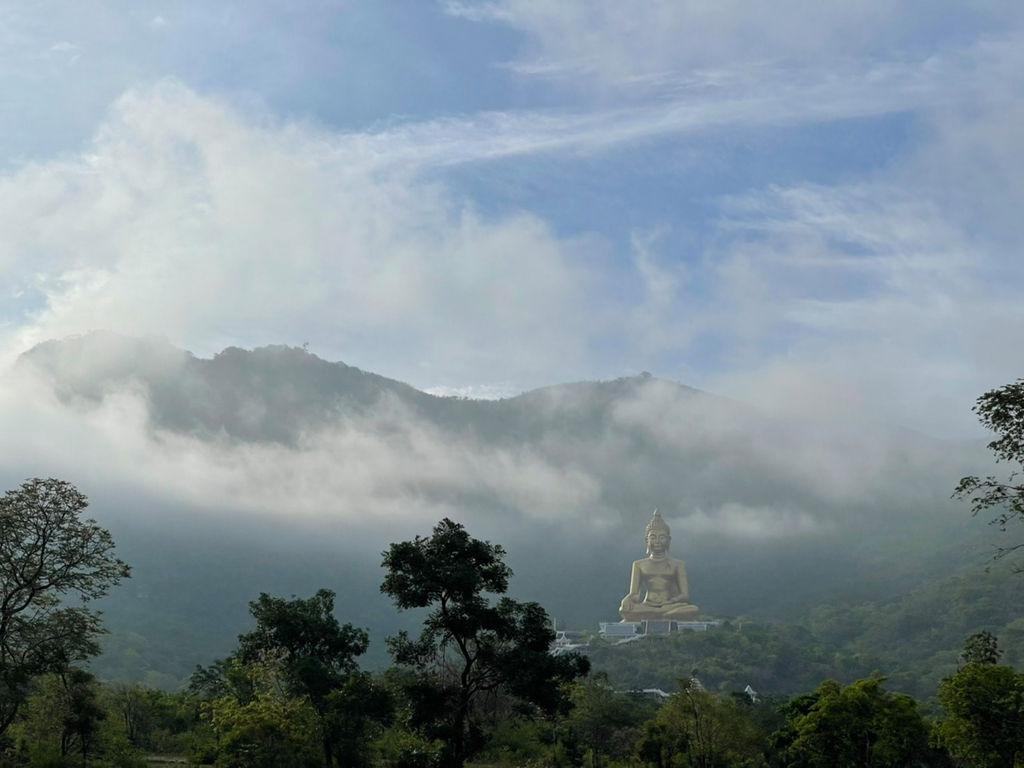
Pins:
x: 478, y: 685
x: 479, y: 682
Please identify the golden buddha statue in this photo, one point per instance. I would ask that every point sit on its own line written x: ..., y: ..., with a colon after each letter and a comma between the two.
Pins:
x: 657, y: 585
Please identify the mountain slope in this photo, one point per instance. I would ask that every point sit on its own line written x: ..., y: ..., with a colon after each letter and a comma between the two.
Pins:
x: 274, y: 470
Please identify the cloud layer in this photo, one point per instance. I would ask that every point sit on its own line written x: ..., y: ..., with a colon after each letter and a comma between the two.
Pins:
x: 185, y: 219
x: 216, y: 226
x: 280, y: 434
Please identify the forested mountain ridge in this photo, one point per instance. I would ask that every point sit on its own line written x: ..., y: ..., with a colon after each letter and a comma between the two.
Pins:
x: 277, y: 392
x: 274, y: 470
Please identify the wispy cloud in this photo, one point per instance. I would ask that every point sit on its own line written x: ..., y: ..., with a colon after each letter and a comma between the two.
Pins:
x: 198, y: 220
x: 184, y: 219
x: 768, y: 94
x: 625, y: 45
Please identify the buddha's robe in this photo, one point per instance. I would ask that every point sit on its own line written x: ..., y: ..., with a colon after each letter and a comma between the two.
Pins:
x: 657, y: 590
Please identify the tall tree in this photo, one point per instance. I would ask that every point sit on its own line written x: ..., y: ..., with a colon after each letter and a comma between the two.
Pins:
x: 699, y: 729
x: 1000, y: 410
x: 83, y: 716
x: 860, y: 725
x: 470, y: 647
x: 603, y: 720
x: 49, y: 553
x: 984, y: 710
x: 317, y: 654
x: 981, y: 648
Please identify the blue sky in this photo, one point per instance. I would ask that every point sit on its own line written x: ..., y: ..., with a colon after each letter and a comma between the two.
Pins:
x: 813, y: 208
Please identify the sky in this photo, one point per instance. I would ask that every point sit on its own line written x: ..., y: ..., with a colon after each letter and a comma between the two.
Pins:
x: 813, y: 208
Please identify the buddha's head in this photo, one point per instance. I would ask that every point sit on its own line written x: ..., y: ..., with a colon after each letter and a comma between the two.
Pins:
x: 657, y: 535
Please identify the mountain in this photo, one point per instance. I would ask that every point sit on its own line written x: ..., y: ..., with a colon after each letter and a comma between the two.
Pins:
x: 275, y: 470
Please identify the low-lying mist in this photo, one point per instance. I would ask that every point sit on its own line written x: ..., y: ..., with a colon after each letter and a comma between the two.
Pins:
x: 273, y: 470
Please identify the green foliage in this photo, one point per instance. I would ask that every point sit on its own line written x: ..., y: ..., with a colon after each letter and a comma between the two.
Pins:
x: 49, y: 553
x: 602, y: 721
x: 271, y: 731
x: 470, y: 648
x: 916, y: 638
x: 83, y: 716
x: 777, y: 658
x: 152, y: 720
x: 355, y: 713
x: 984, y: 710
x: 224, y: 677
x: 981, y: 648
x: 300, y: 650
x: 1000, y: 410
x: 66, y: 721
x: 317, y: 653
x: 856, y: 726
x: 703, y: 730
x: 401, y: 748
x: 479, y: 680
x: 516, y: 740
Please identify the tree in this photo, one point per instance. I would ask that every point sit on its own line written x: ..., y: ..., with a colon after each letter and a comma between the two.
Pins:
x: 356, y: 713
x: 270, y: 731
x: 224, y: 677
x: 316, y: 653
x: 981, y: 648
x: 150, y: 719
x: 469, y: 647
x: 1001, y: 411
x: 704, y: 729
x: 984, y: 711
x: 48, y: 553
x: 62, y: 719
x: 83, y: 716
x: 860, y: 725
x: 132, y: 705
x: 602, y: 719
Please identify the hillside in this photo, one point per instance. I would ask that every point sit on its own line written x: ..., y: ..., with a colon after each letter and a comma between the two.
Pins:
x: 278, y: 471
x: 913, y: 640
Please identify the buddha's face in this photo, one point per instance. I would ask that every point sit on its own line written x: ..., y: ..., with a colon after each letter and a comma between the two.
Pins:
x: 657, y: 543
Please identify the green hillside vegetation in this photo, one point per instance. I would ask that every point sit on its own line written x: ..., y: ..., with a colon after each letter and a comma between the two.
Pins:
x: 773, y: 659
x: 913, y: 640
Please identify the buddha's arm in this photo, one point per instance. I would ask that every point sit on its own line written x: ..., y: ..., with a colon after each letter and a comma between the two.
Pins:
x: 634, y: 582
x: 684, y: 587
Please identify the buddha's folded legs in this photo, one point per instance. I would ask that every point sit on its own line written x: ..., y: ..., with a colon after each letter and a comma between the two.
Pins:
x: 630, y: 610
x: 681, y: 611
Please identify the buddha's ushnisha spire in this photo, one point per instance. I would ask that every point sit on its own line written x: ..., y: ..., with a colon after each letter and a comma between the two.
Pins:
x: 657, y: 523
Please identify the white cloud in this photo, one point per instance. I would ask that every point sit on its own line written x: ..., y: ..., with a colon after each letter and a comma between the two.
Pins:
x: 184, y: 219
x: 214, y: 227
x: 896, y: 296
x: 638, y: 44
x: 376, y: 469
x: 752, y: 523
x: 770, y: 94
x: 474, y: 391
x: 568, y: 458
